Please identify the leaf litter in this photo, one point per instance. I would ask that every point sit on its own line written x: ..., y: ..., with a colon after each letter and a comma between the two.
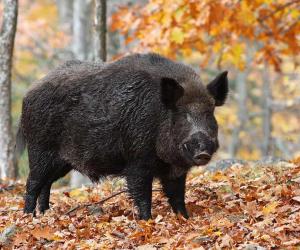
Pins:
x: 243, y: 207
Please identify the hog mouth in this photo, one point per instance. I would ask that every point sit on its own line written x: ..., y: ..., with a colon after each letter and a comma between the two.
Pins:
x: 190, y: 159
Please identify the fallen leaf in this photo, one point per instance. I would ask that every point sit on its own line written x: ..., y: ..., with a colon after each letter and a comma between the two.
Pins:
x: 270, y: 208
x: 226, y: 241
x: 21, y: 238
x: 293, y: 242
x: 296, y: 179
x: 296, y: 198
x: 44, y: 233
x: 252, y: 246
x: 158, y: 218
x: 219, y: 176
x: 146, y: 247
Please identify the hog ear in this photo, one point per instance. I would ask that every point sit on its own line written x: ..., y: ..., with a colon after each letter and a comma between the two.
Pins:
x: 171, y: 91
x: 218, y: 88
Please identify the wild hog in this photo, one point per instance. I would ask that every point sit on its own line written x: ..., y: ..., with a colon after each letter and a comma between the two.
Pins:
x: 141, y: 117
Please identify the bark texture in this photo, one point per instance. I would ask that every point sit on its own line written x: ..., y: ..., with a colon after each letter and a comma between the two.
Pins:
x: 267, y: 113
x: 7, y: 37
x: 242, y: 97
x: 100, y: 30
x: 242, y: 112
x: 82, y: 49
x: 82, y: 27
x: 65, y: 11
x: 65, y: 14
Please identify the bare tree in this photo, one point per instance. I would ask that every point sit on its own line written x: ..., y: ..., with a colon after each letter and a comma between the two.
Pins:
x: 7, y: 37
x: 82, y: 50
x: 65, y: 14
x: 267, y: 112
x: 242, y: 97
x: 241, y: 86
x: 100, y: 30
x: 82, y: 29
x: 65, y: 11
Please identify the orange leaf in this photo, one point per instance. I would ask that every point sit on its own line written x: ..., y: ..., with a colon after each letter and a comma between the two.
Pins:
x: 44, y: 233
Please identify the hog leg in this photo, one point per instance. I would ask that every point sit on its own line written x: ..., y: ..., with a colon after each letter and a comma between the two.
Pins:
x: 175, y: 191
x: 39, y: 169
x: 139, y: 184
x: 61, y: 170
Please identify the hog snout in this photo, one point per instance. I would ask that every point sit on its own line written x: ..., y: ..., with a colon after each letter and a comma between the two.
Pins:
x: 202, y: 157
x: 199, y: 148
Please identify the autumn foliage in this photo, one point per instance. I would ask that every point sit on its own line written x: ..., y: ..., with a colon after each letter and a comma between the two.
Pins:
x: 222, y: 31
x: 244, y: 206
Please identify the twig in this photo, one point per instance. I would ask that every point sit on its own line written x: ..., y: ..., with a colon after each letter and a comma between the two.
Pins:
x: 102, y: 201
x: 118, y: 234
x: 262, y: 20
x: 106, y: 199
x: 72, y: 210
x: 280, y: 8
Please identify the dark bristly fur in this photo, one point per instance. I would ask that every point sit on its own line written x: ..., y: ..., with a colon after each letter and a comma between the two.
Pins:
x: 141, y: 117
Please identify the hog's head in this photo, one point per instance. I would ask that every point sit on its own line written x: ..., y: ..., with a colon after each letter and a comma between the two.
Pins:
x: 190, y: 133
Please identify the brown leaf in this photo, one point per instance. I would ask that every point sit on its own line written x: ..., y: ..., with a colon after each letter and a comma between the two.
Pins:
x: 296, y: 198
x: 21, y: 238
x: 293, y: 242
x: 226, y: 241
x: 296, y: 180
x: 146, y: 247
x: 43, y: 233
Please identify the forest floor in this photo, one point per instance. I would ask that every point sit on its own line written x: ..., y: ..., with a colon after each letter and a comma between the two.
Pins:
x: 249, y: 206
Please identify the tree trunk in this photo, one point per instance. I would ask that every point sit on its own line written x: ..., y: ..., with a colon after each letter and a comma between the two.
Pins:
x: 82, y: 50
x: 242, y: 112
x: 267, y: 113
x: 100, y: 30
x: 65, y: 11
x: 242, y: 95
x: 82, y: 26
x: 7, y: 37
x: 65, y: 15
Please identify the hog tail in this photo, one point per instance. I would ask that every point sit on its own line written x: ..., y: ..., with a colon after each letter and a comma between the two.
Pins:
x: 20, y: 142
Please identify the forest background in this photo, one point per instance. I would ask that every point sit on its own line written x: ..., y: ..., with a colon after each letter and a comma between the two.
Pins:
x: 257, y: 41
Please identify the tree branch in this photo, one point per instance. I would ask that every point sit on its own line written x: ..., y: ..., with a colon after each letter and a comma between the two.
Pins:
x: 280, y: 8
